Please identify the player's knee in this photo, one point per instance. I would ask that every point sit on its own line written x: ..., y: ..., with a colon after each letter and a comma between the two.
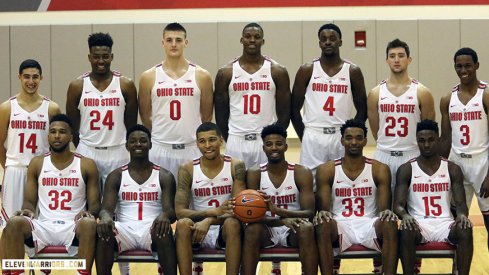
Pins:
x: 407, y: 235
x: 17, y: 225
x: 324, y: 229
x: 389, y: 227
x: 253, y: 231
x: 184, y: 224
x: 305, y: 230
x: 464, y: 234
x: 86, y: 226
x: 232, y: 225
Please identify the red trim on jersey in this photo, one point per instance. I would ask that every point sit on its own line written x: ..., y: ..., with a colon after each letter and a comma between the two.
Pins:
x: 227, y: 158
x: 290, y: 166
x: 263, y: 167
x: 156, y: 167
x: 482, y: 85
x: 196, y: 161
x: 348, y: 61
x: 4, y: 214
x: 13, y: 97
x: 376, y: 241
x: 45, y: 98
x: 383, y: 82
x: 125, y: 167
x: 78, y: 155
x: 158, y: 65
x: 234, y: 60
x: 368, y: 160
x: 455, y: 88
x: 87, y: 74
x: 47, y: 154
x: 337, y: 162
x: 445, y: 159
x: 412, y: 160
x: 192, y: 64
x: 415, y: 81
x: 317, y: 59
x: 116, y: 73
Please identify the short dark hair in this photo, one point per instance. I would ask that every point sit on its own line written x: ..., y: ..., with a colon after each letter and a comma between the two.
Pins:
x: 30, y: 63
x: 427, y: 124
x: 137, y: 127
x: 466, y: 51
x: 100, y: 39
x: 329, y: 26
x: 273, y: 129
x: 353, y: 123
x: 253, y: 25
x: 175, y: 27
x: 396, y: 43
x: 62, y: 118
x: 208, y: 126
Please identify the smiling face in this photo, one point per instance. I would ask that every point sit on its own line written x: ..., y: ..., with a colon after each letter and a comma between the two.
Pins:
x: 398, y: 60
x: 30, y: 78
x: 466, y: 69
x: 354, y: 140
x: 274, y: 147
x: 252, y: 40
x: 138, y: 144
x: 100, y: 58
x: 209, y: 143
x: 59, y: 136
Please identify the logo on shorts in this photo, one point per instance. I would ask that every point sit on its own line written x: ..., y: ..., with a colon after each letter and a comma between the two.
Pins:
x: 247, y: 200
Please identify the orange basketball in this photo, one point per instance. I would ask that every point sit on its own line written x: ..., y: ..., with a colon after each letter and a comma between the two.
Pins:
x: 250, y: 206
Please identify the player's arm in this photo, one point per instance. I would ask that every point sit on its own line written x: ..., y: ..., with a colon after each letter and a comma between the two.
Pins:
x: 426, y: 103
x: 53, y: 109
x: 72, y: 100
x: 324, y: 183
x: 238, y: 172
x: 358, y: 92
x: 484, y: 190
x: 303, y: 181
x: 30, y: 190
x: 373, y: 111
x: 146, y: 83
x: 130, y: 95
x: 401, y: 193
x: 204, y: 81
x: 162, y: 224
x: 302, y: 78
x: 382, y: 178
x: 221, y: 99
x: 458, y: 195
x: 106, y: 225
x: 446, y: 127
x: 282, y: 96
x: 4, y: 125
x: 91, y: 178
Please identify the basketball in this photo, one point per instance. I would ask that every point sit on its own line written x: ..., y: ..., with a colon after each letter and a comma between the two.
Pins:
x: 250, y: 206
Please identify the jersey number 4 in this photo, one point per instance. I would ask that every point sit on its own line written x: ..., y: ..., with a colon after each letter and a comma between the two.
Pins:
x: 60, y: 199
x: 106, y: 121
x: 329, y: 106
x: 29, y: 144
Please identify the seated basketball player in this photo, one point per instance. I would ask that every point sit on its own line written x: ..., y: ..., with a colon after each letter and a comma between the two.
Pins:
x: 204, y: 202
x: 354, y: 197
x: 63, y: 185
x: 425, y: 187
x: 287, y: 188
x: 143, y: 193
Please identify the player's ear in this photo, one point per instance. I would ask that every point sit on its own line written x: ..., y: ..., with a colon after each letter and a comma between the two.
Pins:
x: 286, y: 147
x: 241, y: 40
x: 477, y: 65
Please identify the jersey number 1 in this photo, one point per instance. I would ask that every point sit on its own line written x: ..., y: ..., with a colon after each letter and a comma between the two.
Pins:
x: 252, y: 104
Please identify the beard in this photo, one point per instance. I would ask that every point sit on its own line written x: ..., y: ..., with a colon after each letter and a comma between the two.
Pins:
x: 60, y: 149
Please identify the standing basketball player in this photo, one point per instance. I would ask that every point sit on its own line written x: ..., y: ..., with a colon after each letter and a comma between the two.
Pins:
x: 328, y: 88
x: 425, y: 187
x: 204, y: 202
x: 24, y: 121
x: 289, y: 194
x: 175, y: 97
x: 354, y: 198
x: 144, y: 196
x: 251, y: 92
x: 102, y: 104
x: 394, y: 108
x: 62, y: 185
x: 465, y: 129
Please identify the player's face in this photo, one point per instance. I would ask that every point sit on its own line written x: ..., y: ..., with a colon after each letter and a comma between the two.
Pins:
x: 274, y: 147
x: 354, y: 140
x: 209, y: 144
x: 174, y: 42
x: 30, y: 80
x: 329, y: 42
x: 252, y: 40
x: 100, y: 57
x: 398, y: 60
x: 427, y: 142
x: 138, y: 144
x: 59, y: 136
x: 466, y: 68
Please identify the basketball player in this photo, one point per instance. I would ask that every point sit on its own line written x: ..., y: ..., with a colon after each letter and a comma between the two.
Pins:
x: 354, y: 197
x: 251, y: 92
x: 329, y: 88
x: 287, y: 188
x: 175, y: 97
x: 464, y: 129
x: 144, y: 195
x: 102, y: 104
x: 204, y: 202
x: 64, y: 187
x: 425, y: 187
x: 394, y: 108
x: 24, y: 123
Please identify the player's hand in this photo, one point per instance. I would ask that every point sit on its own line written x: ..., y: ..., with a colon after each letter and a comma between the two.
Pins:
x: 161, y: 226
x: 200, y: 230
x: 25, y: 212
x: 268, y: 200
x: 463, y: 221
x: 388, y: 216
x: 409, y: 223
x: 83, y: 214
x: 293, y: 223
x: 484, y: 191
x: 105, y: 229
x: 322, y: 216
x: 226, y: 207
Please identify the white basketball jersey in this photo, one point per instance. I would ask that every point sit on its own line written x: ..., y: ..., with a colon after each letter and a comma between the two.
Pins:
x: 251, y: 99
x: 102, y: 113
x: 398, y: 116
x: 328, y: 99
x: 354, y: 198
x: 27, y: 134
x: 62, y: 193
x: 175, y: 107
x: 286, y: 195
x: 429, y: 196
x: 139, y: 202
x: 208, y: 193
x: 469, y: 123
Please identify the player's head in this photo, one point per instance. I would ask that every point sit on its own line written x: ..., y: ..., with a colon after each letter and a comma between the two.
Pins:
x: 274, y: 138
x: 174, y: 40
x: 329, y: 39
x: 100, y: 55
x: 175, y: 27
x: 209, y: 140
x: 353, y: 136
x: 397, y: 56
x: 466, y: 64
x: 60, y: 133
x: 427, y: 135
x: 30, y: 75
x: 138, y: 141
x: 252, y: 38
x: 397, y: 43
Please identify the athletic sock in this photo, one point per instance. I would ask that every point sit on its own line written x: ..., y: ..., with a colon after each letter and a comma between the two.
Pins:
x: 198, y: 268
x: 83, y: 272
x: 276, y: 268
x: 124, y: 268
x: 160, y: 269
